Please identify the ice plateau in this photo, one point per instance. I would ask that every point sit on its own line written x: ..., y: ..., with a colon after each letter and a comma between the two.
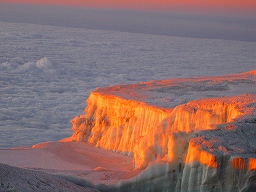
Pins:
x: 191, y: 134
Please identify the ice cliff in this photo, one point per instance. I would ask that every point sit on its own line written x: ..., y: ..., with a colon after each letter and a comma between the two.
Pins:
x: 193, y: 134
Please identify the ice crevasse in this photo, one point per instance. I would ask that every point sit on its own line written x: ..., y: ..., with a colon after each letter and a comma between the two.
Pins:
x: 191, y: 134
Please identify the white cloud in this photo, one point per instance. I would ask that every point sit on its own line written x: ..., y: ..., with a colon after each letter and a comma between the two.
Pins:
x: 44, y: 63
x: 5, y: 66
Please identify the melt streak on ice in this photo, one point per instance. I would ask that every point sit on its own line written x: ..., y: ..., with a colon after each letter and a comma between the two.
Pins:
x: 190, y: 134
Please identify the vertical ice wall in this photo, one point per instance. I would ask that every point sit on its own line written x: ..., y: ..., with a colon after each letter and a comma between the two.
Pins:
x: 116, y: 124
x: 147, y: 132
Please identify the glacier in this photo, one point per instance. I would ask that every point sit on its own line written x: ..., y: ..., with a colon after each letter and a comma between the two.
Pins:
x: 188, y: 134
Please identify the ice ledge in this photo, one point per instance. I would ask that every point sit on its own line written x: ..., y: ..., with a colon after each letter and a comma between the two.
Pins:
x: 173, y: 92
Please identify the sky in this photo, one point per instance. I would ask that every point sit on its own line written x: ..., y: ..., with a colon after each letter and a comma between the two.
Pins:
x: 232, y: 6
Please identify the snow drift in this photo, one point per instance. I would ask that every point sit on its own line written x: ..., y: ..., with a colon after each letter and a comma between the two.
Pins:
x: 190, y: 134
x: 18, y: 179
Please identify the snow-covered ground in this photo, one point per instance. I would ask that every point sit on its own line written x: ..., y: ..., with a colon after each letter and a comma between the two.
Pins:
x: 46, y: 72
x: 18, y: 179
x: 83, y: 160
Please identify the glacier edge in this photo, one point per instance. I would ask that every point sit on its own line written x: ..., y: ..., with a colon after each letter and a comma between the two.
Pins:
x: 202, y: 144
